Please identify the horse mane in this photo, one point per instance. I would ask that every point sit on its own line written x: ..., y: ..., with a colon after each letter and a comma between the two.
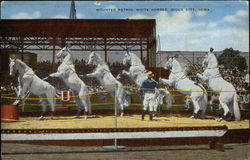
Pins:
x: 178, y: 64
x: 212, y: 58
x: 22, y: 64
x: 69, y: 59
x: 135, y: 60
x: 101, y: 61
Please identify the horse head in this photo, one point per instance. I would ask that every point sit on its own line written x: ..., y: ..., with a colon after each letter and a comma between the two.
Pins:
x: 63, y: 52
x: 169, y: 63
x: 127, y: 58
x: 13, y: 67
x: 93, y: 58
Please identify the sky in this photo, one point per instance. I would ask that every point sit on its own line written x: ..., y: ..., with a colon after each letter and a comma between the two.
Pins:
x: 181, y: 25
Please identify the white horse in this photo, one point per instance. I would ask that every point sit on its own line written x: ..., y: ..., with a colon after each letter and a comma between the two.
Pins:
x: 137, y: 73
x: 29, y: 82
x: 211, y: 75
x: 66, y: 71
x: 180, y: 81
x: 107, y: 80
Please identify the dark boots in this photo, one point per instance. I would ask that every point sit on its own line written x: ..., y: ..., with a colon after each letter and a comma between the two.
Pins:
x: 150, y: 116
x: 144, y: 113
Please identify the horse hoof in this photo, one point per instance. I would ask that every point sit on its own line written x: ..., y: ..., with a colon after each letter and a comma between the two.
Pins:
x: 77, y: 116
x: 229, y: 117
x: 220, y: 119
x: 51, y: 118
x: 16, y: 102
x: 41, y: 118
x: 192, y: 117
x: 202, y: 117
x: 122, y: 114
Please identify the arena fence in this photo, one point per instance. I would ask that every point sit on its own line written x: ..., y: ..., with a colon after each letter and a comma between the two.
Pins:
x: 7, y: 96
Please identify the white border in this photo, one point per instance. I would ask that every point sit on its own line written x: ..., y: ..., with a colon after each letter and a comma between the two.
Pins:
x: 113, y: 135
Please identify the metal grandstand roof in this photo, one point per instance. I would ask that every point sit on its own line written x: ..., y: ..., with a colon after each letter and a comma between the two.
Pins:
x: 77, y: 28
x: 84, y: 34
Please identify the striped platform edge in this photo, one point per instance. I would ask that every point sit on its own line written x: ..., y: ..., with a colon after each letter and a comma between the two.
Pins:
x: 125, y: 136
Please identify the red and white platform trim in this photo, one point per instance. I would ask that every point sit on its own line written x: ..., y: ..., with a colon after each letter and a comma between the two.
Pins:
x: 101, y: 134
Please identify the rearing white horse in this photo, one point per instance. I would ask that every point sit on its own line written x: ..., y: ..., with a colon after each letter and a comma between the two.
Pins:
x: 107, y: 80
x: 179, y: 80
x: 28, y: 81
x: 66, y: 71
x: 211, y: 75
x: 137, y: 73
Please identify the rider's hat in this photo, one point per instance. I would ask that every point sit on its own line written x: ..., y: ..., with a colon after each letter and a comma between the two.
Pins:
x: 187, y: 97
x: 150, y: 74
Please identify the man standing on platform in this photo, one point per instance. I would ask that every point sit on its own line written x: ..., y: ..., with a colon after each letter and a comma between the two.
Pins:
x: 149, y: 95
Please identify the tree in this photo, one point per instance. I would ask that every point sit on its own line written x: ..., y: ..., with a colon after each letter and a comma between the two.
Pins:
x: 231, y: 58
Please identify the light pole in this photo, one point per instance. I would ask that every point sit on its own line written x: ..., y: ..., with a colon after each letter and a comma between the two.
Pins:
x: 115, y: 146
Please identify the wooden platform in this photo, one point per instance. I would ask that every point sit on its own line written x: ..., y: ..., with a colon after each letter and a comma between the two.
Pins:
x: 131, y: 131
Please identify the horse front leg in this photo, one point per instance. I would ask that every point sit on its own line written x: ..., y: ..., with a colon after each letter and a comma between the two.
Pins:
x: 18, y: 92
x: 124, y: 72
x: 202, y: 77
x: 22, y: 92
x: 168, y: 82
x: 94, y: 74
x: 56, y: 74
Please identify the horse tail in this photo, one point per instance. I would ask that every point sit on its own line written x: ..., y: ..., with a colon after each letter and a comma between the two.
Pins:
x: 203, y: 100
x: 88, y: 102
x: 236, y: 108
x: 126, y: 101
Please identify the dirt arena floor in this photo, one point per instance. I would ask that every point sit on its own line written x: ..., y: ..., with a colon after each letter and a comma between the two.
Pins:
x: 128, y: 121
x: 187, y: 152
